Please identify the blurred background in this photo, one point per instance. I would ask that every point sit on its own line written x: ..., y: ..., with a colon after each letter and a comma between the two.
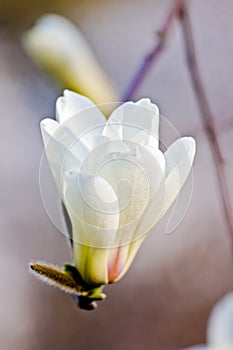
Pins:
x: 165, y: 299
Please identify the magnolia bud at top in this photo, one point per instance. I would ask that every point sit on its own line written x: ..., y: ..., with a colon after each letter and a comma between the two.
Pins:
x: 60, y: 49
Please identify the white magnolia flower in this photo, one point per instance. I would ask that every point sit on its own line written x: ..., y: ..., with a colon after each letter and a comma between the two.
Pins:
x: 114, y: 180
x: 58, y: 47
x: 220, y: 327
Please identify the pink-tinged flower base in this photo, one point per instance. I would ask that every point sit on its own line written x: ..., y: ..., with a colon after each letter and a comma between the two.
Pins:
x: 115, y: 266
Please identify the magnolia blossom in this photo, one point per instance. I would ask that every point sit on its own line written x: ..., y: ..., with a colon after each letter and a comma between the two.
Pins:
x: 113, y: 179
x: 220, y: 327
x: 58, y: 47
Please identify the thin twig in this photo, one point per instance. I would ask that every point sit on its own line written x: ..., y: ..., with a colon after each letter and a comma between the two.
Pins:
x: 206, y: 116
x: 154, y: 54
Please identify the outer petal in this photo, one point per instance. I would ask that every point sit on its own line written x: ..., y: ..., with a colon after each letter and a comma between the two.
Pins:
x: 154, y: 211
x: 130, y: 252
x: 93, y: 209
x: 220, y: 326
x: 58, y: 155
x: 48, y: 129
x: 63, y: 135
x: 72, y: 103
x: 150, y: 217
x: 135, y: 175
x: 179, y: 159
x: 149, y: 136
x: 82, y: 120
x: 80, y: 133
x: 138, y: 121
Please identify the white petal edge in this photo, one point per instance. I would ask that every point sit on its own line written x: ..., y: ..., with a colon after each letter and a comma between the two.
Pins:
x: 71, y: 104
x: 179, y: 159
x: 182, y: 153
x: 131, y: 119
x: 48, y: 128
x: 58, y: 155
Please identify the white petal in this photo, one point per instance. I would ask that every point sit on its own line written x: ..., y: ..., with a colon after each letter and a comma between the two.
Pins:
x: 151, y: 134
x: 134, y: 174
x: 78, y: 145
x: 72, y: 103
x: 179, y: 159
x: 85, y: 125
x: 101, y: 155
x: 48, y: 128
x: 185, y: 146
x: 113, y: 130
x: 93, y: 208
x: 153, y: 212
x: 61, y: 133
x: 58, y: 155
x: 139, y: 121
x: 220, y: 326
x: 181, y: 153
x: 130, y: 251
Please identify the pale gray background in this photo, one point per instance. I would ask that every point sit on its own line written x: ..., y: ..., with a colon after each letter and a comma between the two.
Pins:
x: 165, y: 299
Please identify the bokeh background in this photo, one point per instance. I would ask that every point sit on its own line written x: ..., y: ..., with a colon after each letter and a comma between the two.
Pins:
x: 165, y: 299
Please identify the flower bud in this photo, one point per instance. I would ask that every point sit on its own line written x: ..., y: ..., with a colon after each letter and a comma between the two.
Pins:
x: 61, y: 50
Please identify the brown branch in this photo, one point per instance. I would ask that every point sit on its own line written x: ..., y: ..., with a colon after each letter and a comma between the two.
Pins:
x: 206, y: 116
x: 153, y: 55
